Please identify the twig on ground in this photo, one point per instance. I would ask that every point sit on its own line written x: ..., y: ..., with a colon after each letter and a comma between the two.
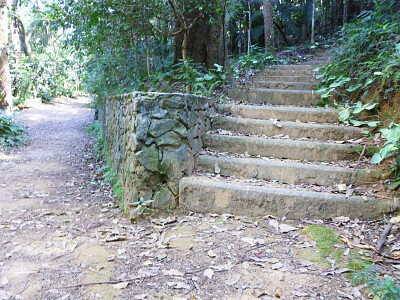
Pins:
x: 385, y: 233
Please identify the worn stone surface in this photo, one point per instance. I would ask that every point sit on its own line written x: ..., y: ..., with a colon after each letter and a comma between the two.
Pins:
x: 151, y: 139
x: 169, y: 139
x: 148, y: 157
x: 159, y: 127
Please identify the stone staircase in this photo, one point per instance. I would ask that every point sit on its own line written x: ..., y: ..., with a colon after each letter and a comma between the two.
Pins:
x: 273, y: 152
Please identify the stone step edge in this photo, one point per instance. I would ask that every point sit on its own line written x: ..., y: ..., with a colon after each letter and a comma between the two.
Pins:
x: 284, y: 148
x: 283, y: 91
x: 218, y: 196
x: 277, y: 82
x: 288, y: 171
x: 285, y: 108
x: 311, y: 126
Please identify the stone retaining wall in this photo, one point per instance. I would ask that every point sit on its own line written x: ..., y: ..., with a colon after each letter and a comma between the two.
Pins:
x: 151, y: 140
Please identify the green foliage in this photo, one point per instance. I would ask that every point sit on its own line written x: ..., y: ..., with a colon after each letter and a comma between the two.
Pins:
x: 391, y: 146
x: 255, y: 60
x: 367, y: 65
x: 96, y: 130
x: 188, y: 76
x: 45, y: 76
x: 143, y: 207
x: 349, y: 115
x: 11, y: 132
x: 382, y: 289
x: 110, y: 176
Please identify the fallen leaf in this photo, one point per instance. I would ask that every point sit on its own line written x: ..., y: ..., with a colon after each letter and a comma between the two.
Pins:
x: 112, y: 257
x: 120, y: 286
x: 342, y: 187
x: 209, y: 273
x: 278, y: 293
x: 4, y: 282
x: 217, y: 169
x: 395, y: 220
x: 178, y: 285
x: 233, y: 280
x: 172, y: 272
x: 341, y: 219
x: 248, y: 240
x: 284, y: 228
x: 277, y: 266
x: 274, y: 223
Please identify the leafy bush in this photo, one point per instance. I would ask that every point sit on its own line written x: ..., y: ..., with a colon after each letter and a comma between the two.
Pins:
x: 188, y: 76
x: 96, y: 131
x: 11, y: 132
x: 45, y: 76
x: 255, y: 60
x: 367, y: 64
x: 386, y: 289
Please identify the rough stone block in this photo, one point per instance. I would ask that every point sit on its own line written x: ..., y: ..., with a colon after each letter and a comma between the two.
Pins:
x: 159, y: 127
x: 169, y: 139
x: 163, y: 198
x: 148, y: 158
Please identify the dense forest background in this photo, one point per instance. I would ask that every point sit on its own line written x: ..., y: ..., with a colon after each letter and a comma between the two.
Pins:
x: 106, y: 47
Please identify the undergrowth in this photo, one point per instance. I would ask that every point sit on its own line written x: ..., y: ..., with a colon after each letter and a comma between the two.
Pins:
x: 366, y: 69
x: 366, y: 66
x: 108, y: 173
x: 385, y: 288
x: 187, y: 76
x: 11, y: 132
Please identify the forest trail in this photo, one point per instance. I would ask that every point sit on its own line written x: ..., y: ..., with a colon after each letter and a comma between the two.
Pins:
x: 63, y: 237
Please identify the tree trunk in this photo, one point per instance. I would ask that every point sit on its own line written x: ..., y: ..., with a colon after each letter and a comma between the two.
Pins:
x: 5, y: 83
x: 249, y: 29
x: 204, y: 42
x: 345, y: 9
x: 313, y: 24
x: 268, y: 27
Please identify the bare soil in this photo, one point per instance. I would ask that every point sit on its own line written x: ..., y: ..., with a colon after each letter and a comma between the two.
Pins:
x: 62, y: 236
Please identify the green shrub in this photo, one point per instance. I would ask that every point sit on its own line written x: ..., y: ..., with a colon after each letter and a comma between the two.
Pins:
x: 187, y: 76
x: 382, y: 289
x: 11, y: 132
x: 367, y: 64
x: 255, y: 60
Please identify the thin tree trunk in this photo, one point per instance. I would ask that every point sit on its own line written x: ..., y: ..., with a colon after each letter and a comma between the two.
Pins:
x: 147, y: 55
x: 345, y: 9
x: 268, y: 27
x: 240, y: 36
x: 184, y: 45
x: 313, y: 24
x: 5, y: 83
x: 249, y: 30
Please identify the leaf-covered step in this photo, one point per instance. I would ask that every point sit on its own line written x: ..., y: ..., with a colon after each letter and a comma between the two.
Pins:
x: 287, y: 113
x: 323, y: 132
x: 241, y: 197
x: 290, y: 149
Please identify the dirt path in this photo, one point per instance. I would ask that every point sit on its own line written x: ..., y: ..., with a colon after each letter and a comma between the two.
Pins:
x: 61, y: 232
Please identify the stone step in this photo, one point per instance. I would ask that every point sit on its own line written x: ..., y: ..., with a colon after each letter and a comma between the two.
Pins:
x: 287, y: 113
x: 277, y: 78
x: 275, y: 96
x: 280, y: 148
x: 205, y: 195
x: 291, y: 67
x: 281, y: 85
x: 320, y: 132
x: 285, y: 72
x: 287, y: 171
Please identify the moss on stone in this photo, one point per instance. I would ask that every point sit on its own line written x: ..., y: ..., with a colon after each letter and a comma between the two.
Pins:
x: 325, y: 239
